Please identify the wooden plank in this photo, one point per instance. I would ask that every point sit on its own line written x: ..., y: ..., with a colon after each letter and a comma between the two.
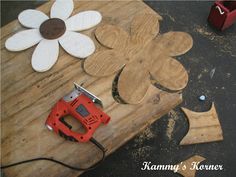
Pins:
x: 27, y: 98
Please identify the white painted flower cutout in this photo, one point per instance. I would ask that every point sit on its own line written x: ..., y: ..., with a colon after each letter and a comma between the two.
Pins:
x: 49, y: 32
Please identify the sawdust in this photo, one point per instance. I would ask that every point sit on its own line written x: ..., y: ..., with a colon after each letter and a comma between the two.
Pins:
x: 173, y: 117
x: 147, y: 134
x: 141, y: 153
x: 203, y: 31
x: 219, y: 40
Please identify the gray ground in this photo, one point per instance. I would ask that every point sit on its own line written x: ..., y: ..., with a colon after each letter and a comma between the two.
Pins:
x: 212, y: 69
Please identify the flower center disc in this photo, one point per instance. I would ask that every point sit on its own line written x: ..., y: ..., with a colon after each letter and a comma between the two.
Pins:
x: 52, y: 28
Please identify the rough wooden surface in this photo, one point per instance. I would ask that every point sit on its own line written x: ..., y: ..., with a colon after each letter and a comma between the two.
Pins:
x: 143, y: 53
x: 203, y: 127
x: 27, y: 97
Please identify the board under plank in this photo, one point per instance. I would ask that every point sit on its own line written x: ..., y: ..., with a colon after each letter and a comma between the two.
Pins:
x: 28, y: 96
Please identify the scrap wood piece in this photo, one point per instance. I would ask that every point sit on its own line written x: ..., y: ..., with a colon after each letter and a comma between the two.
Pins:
x: 203, y: 127
x: 187, y: 168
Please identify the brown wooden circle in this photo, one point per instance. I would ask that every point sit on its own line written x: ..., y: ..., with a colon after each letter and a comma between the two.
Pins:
x: 52, y: 28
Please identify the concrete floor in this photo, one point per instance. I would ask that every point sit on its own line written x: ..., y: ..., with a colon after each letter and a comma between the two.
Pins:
x: 212, y: 50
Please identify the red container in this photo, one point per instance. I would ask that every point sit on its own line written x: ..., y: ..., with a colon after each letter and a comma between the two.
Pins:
x: 223, y: 14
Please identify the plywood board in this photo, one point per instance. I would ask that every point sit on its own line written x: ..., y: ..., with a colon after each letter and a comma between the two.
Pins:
x: 28, y: 96
x: 140, y: 54
x: 203, y: 127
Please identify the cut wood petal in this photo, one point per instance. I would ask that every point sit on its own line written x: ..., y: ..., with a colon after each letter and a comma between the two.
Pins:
x: 32, y: 18
x: 112, y: 36
x: 144, y: 27
x: 77, y: 45
x: 62, y: 9
x: 23, y: 40
x: 45, y: 55
x: 186, y: 167
x: 175, y: 43
x: 133, y: 83
x: 104, y: 63
x: 169, y: 73
x: 83, y: 20
x: 203, y: 127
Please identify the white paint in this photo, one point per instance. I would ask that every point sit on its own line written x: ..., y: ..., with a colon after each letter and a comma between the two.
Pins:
x: 83, y: 20
x: 23, y: 40
x: 32, y: 18
x: 45, y: 55
x: 220, y: 10
x: 62, y: 9
x: 77, y: 45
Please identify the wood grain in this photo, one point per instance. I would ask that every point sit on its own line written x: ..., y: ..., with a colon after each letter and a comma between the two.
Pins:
x: 142, y: 45
x: 112, y: 36
x: 169, y: 72
x: 174, y: 43
x: 28, y: 96
x: 188, y: 171
x: 144, y: 28
x: 203, y: 127
x: 113, y: 60
x: 136, y: 74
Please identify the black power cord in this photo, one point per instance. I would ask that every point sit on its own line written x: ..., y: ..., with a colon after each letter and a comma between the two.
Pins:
x: 95, y: 142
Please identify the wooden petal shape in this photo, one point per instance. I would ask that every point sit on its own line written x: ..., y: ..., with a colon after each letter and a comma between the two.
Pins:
x: 77, y: 45
x: 62, y: 9
x: 144, y: 27
x: 83, y: 20
x: 104, y: 63
x: 45, y: 55
x: 32, y: 18
x: 203, y: 127
x: 23, y: 40
x: 112, y: 36
x: 133, y: 83
x: 175, y: 43
x: 169, y: 73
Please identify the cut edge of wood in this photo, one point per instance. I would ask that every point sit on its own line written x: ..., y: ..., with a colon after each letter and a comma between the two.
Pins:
x: 197, y: 138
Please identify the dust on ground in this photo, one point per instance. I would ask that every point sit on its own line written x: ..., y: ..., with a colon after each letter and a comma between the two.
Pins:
x: 147, y: 134
x: 173, y: 117
x: 225, y: 43
x: 142, y: 151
